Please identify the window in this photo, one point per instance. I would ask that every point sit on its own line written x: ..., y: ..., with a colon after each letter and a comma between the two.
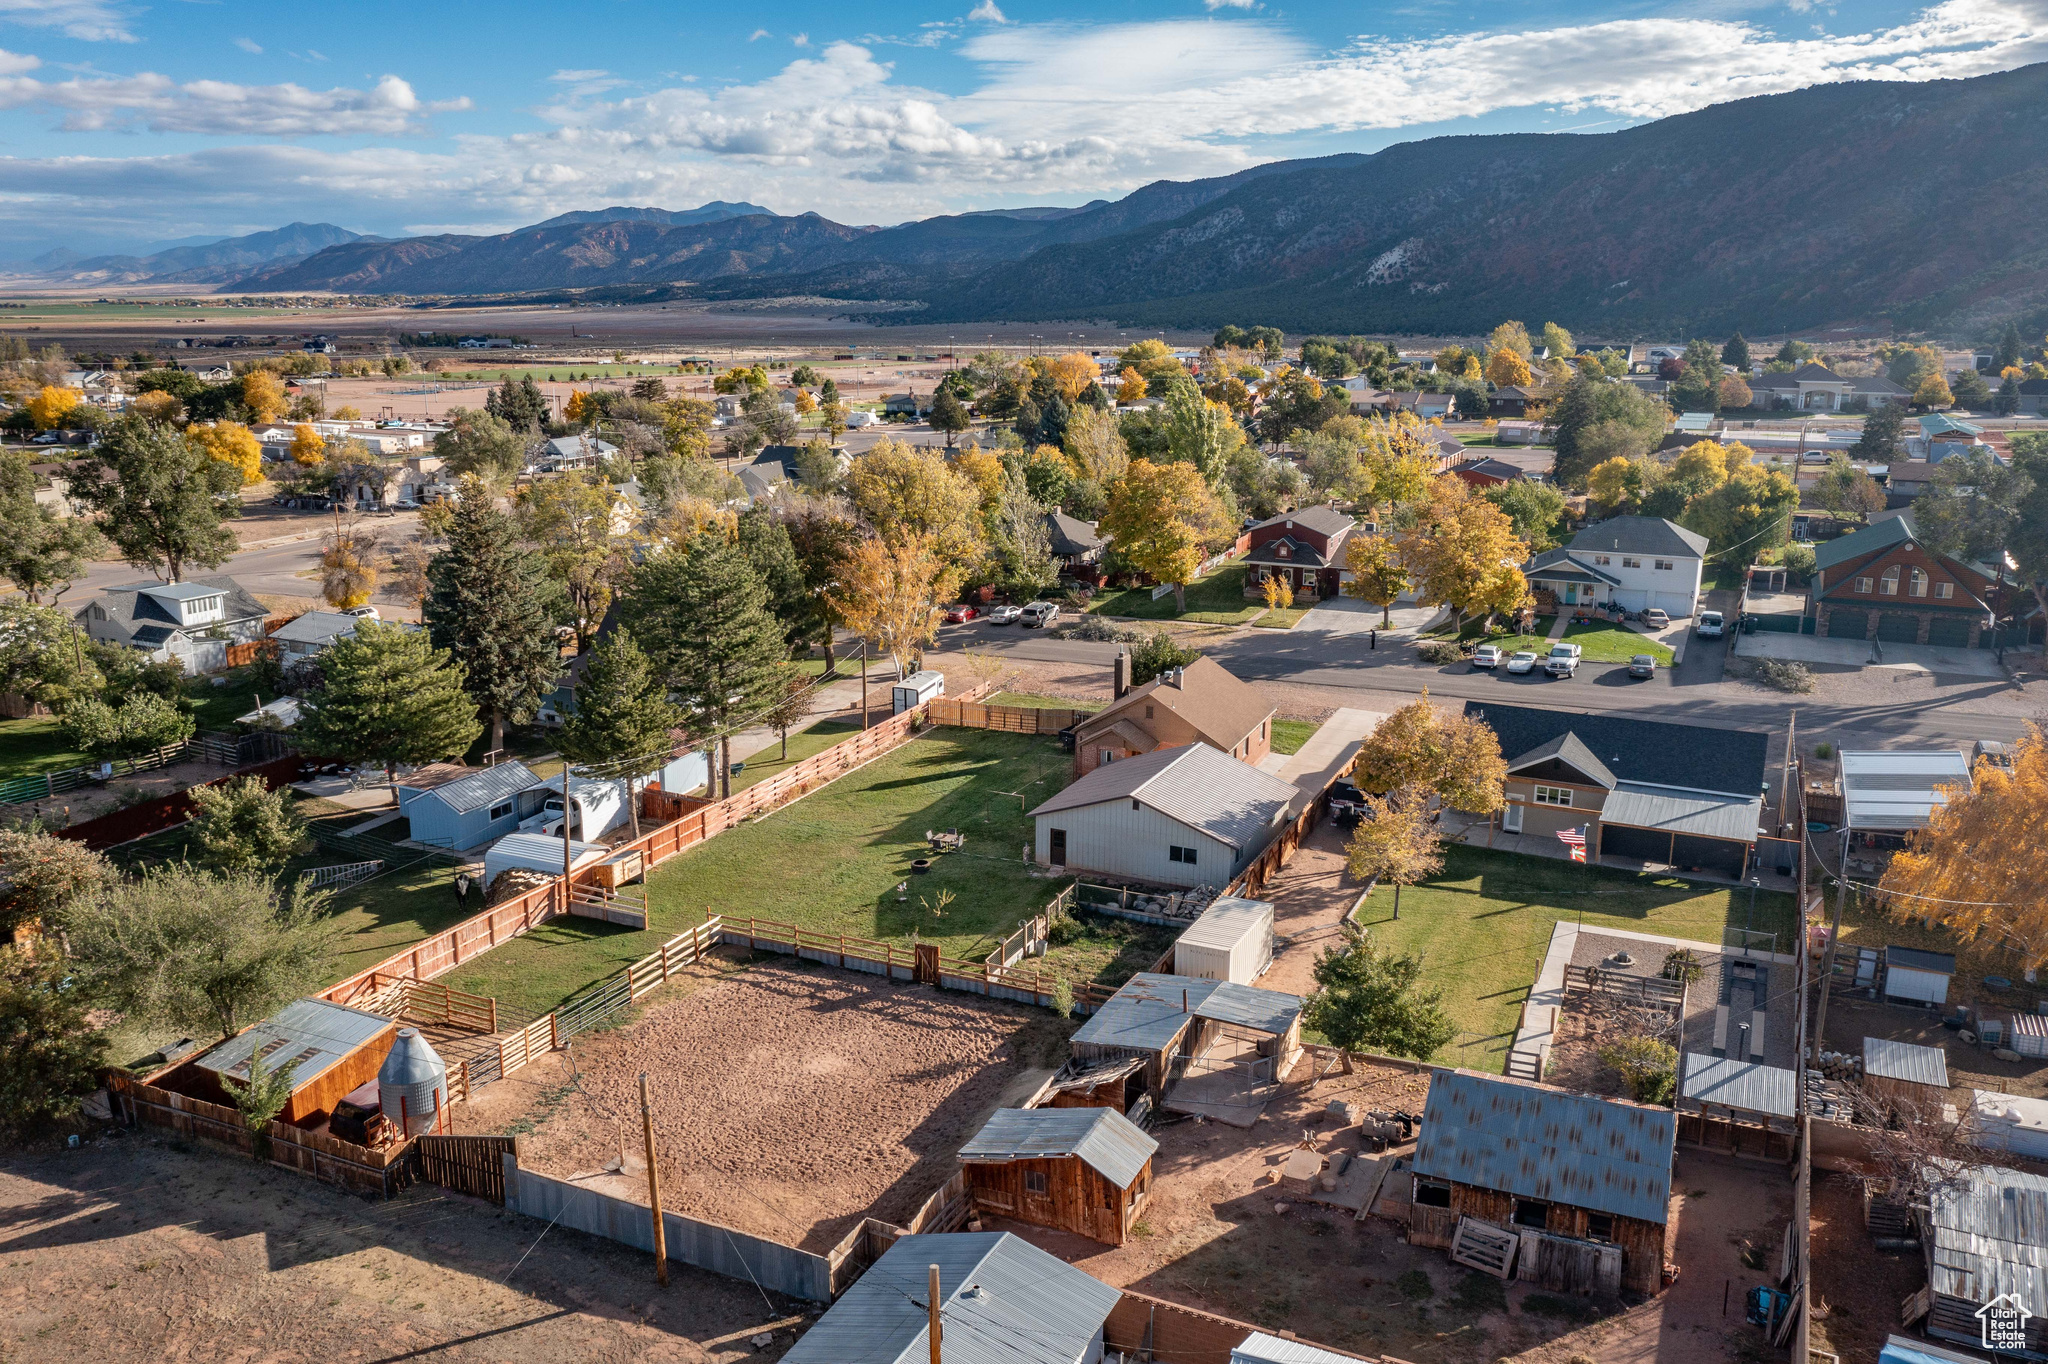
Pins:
x: 1135, y: 805
x: 501, y: 809
x: 1107, y: 756
x: 1176, y: 853
x: 1600, y: 1226
x: 1664, y: 564
x: 1602, y: 560
x: 1889, y: 583
x: 1148, y: 711
x: 1034, y: 1182
x: 1627, y: 562
x: 1431, y: 1194
x: 1943, y: 591
x: 1554, y: 795
x: 1864, y: 585
x: 1530, y: 1213
x: 1916, y: 584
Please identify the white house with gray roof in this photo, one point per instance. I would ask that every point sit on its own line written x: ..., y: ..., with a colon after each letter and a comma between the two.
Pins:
x: 1639, y: 563
x: 1186, y: 816
x: 192, y: 621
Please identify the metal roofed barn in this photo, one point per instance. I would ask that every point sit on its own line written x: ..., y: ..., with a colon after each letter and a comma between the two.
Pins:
x: 1567, y: 1167
x: 1894, y: 790
x: 1166, y: 1018
x: 1083, y: 1170
x: 1001, y: 1301
x: 331, y: 1047
x: 1985, y: 1236
x: 1747, y: 1086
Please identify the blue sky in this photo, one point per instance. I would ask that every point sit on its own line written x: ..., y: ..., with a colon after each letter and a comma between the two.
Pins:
x: 127, y: 123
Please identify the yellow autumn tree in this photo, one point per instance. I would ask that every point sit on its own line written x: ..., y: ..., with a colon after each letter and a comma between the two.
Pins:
x: 1132, y: 388
x: 263, y: 394
x: 157, y: 407
x: 984, y: 469
x: 1463, y: 552
x: 1507, y: 367
x: 53, y: 406
x: 1072, y: 374
x: 1160, y: 516
x: 232, y: 443
x: 1980, y: 867
x: 307, y: 447
x: 1453, y: 755
x: 577, y: 405
x: 1377, y: 577
x: 1933, y: 392
x: 348, y: 572
x: 903, y: 492
x: 890, y: 595
x: 1510, y: 336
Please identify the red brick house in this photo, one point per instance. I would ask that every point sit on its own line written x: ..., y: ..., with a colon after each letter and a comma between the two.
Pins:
x: 1487, y: 472
x: 1881, y: 582
x: 1304, y: 547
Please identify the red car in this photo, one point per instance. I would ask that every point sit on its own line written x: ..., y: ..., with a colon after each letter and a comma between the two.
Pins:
x: 960, y: 615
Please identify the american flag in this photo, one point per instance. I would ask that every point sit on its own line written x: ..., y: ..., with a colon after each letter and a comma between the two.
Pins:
x: 1575, y: 839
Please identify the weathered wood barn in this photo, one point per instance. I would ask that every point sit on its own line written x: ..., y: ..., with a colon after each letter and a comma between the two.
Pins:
x: 1584, y: 1181
x: 331, y: 1048
x: 1083, y: 1170
x: 1167, y: 1020
x: 1983, y: 1240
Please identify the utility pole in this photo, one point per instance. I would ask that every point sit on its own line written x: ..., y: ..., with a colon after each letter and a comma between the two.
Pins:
x: 568, y: 863
x: 931, y: 1284
x: 1827, y: 969
x: 654, y: 1188
x: 863, y: 684
x: 1785, y: 790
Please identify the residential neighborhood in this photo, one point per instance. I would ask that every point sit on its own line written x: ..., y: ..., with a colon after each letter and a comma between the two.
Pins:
x: 1242, y: 849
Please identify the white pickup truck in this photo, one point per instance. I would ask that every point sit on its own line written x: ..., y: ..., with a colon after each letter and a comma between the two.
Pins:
x: 1563, y: 660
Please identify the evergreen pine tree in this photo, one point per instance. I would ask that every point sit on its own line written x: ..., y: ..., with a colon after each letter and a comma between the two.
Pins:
x: 489, y: 606
x: 1736, y: 353
x: 521, y: 406
x: 623, y: 718
x: 2006, y: 402
x: 386, y: 695
x: 2008, y: 348
x: 1879, y: 443
x: 948, y: 413
x: 702, y: 614
x: 767, y: 545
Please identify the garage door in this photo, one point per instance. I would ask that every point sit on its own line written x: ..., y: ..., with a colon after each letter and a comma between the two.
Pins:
x: 1652, y: 845
x: 1673, y: 604
x: 1896, y: 628
x: 1950, y: 632
x: 1847, y: 624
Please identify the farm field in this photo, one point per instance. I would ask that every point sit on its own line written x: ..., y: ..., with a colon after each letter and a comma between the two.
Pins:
x: 832, y: 862
x: 1481, y: 926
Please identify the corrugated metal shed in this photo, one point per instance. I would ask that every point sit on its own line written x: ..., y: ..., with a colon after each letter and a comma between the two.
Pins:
x: 1225, y: 922
x: 1147, y: 1014
x: 1260, y: 1348
x: 1889, y: 1060
x: 1990, y: 1237
x: 1531, y: 1140
x: 311, y: 1032
x: 1231, y: 801
x: 487, y: 786
x: 1002, y: 1301
x: 1111, y: 1144
x: 1746, y: 1085
x: 1894, y: 789
x: 1671, y: 810
x: 1913, y: 959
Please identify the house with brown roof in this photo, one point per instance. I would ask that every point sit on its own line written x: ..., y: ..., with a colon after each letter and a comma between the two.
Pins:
x: 1303, y: 548
x: 1198, y: 704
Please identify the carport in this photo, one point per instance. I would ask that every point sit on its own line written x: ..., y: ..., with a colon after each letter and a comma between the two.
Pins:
x: 1680, y: 827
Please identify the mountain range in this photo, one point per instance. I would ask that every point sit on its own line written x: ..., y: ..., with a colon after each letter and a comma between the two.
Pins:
x: 207, y: 261
x: 1920, y: 203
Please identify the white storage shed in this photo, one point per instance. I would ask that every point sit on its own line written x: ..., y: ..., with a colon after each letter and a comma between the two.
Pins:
x: 539, y: 852
x: 1260, y: 1348
x: 1915, y: 977
x: 1233, y: 940
x: 2030, y: 1036
x: 916, y: 689
x: 2008, y: 1122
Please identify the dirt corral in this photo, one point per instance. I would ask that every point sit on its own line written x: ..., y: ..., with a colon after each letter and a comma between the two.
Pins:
x: 790, y: 1100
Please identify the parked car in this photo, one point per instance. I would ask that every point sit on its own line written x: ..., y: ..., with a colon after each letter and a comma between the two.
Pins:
x: 1710, y: 625
x: 1487, y: 656
x: 1004, y: 615
x: 362, y: 612
x: 1040, y: 613
x: 1521, y: 661
x: 1563, y: 660
x: 1347, y: 802
x: 1993, y: 751
x: 961, y: 614
x: 1656, y: 618
x: 1642, y: 665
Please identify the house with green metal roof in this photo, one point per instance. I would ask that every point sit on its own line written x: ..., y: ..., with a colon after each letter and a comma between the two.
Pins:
x: 1884, y: 583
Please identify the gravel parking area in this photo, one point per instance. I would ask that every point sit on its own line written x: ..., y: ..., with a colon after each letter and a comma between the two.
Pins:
x: 789, y: 1101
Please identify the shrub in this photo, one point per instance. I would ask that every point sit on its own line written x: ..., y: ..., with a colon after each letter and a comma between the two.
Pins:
x: 1682, y: 964
x: 1647, y: 1066
x: 1095, y: 630
x: 1479, y: 1292
x: 53, y: 1055
x: 1064, y: 930
x: 1440, y: 651
x: 1156, y: 653
x: 1416, y: 1285
x: 1823, y: 750
x: 1798, y: 562
x: 1062, y: 998
x: 1784, y: 674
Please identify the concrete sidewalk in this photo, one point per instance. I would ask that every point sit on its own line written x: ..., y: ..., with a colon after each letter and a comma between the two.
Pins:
x: 1863, y: 653
x: 1350, y: 616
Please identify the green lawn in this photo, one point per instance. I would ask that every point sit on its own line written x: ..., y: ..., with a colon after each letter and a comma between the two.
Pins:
x: 831, y: 863
x: 1290, y: 735
x: 802, y: 744
x: 1483, y: 923
x: 1282, y: 618
x: 1605, y: 642
x: 1537, y: 641
x: 33, y: 746
x: 1215, y: 600
x: 1036, y: 700
x: 215, y: 708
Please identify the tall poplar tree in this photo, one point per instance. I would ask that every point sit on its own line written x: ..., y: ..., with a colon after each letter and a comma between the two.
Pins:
x: 490, y: 607
x: 702, y: 614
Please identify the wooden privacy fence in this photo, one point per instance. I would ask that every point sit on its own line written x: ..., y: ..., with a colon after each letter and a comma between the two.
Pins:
x: 470, y: 1165
x: 359, y: 1169
x: 168, y: 812
x: 965, y: 714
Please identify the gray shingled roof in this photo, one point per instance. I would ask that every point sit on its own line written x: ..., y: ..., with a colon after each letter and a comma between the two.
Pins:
x: 1196, y: 785
x: 1071, y: 536
x: 1694, y: 757
x: 134, y: 612
x: 1639, y: 535
x: 1321, y: 520
x: 1109, y: 1143
x: 1533, y: 1141
x: 1002, y: 1300
x: 1570, y: 750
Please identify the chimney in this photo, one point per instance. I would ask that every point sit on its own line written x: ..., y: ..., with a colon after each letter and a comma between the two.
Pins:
x: 1174, y: 676
x: 1120, y: 674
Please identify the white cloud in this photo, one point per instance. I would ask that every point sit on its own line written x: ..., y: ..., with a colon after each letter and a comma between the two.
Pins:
x: 584, y: 82
x: 249, y: 45
x: 800, y: 40
x: 758, y: 34
x: 14, y: 63
x: 987, y: 12
x: 220, y: 108
x: 1214, y: 5
x: 92, y: 20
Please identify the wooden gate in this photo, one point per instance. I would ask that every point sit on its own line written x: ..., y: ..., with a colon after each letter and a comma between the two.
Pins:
x: 926, y: 971
x: 471, y: 1165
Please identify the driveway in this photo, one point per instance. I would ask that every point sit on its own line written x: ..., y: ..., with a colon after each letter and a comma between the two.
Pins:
x: 1859, y: 653
x: 1350, y: 616
x: 1310, y: 898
